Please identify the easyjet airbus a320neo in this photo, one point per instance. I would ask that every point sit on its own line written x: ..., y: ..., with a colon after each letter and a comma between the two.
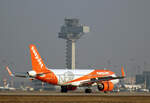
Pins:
x: 70, y: 79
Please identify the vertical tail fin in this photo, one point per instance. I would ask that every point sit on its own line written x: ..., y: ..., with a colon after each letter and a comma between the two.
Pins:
x: 37, y: 63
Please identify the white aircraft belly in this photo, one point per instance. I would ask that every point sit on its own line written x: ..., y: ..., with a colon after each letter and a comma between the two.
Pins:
x: 64, y: 76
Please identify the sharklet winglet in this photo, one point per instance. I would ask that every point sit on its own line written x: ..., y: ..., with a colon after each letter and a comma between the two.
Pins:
x: 9, y: 71
x: 122, y: 71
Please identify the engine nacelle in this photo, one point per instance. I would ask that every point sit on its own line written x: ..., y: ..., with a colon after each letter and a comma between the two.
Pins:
x: 32, y: 73
x: 105, y: 86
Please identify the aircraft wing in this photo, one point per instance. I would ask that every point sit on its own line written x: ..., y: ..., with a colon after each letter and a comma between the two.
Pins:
x: 22, y: 75
x: 101, y: 79
x: 108, y: 78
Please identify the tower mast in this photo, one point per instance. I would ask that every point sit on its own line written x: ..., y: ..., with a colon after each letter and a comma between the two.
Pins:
x: 71, y: 31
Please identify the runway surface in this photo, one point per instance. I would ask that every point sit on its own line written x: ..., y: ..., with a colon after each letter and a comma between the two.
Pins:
x: 53, y: 97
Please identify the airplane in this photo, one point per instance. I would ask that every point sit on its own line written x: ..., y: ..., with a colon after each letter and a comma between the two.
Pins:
x: 69, y: 79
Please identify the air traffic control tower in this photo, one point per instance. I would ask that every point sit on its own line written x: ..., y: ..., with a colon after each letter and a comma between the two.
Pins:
x: 71, y: 31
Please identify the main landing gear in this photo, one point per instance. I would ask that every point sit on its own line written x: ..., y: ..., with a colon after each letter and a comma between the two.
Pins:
x: 64, y: 89
x: 88, y: 90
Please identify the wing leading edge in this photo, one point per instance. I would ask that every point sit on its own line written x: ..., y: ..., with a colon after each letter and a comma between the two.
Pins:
x: 23, y: 75
x: 101, y: 79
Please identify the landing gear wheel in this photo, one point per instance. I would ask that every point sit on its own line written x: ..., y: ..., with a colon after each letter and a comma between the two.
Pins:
x: 88, y: 90
x: 105, y: 92
x: 64, y: 89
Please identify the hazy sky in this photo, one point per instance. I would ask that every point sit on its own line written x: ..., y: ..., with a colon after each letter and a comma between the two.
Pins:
x: 120, y: 32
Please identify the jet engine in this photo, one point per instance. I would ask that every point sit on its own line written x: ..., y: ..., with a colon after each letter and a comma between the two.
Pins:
x: 32, y: 73
x: 105, y: 86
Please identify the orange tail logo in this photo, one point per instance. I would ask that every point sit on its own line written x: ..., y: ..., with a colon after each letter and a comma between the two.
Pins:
x: 37, y: 63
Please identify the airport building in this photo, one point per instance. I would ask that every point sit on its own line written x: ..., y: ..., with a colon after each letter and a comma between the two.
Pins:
x: 139, y: 79
x: 144, y: 79
x: 146, y: 75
